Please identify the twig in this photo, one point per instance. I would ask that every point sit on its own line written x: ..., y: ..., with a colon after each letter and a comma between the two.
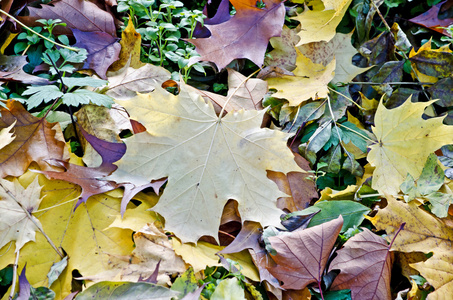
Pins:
x: 29, y: 216
x: 38, y: 34
x: 380, y: 15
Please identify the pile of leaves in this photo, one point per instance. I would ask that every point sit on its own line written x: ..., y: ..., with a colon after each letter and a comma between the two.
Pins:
x: 238, y: 150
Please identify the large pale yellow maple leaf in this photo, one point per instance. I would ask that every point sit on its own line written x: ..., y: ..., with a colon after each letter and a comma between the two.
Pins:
x: 404, y: 141
x: 422, y: 233
x: 208, y: 160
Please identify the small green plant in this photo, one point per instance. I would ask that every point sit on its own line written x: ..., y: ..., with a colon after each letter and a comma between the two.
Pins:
x: 60, y: 62
x: 161, y: 26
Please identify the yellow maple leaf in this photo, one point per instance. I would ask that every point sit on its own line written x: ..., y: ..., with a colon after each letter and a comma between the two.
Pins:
x: 320, y: 25
x: 84, y: 235
x: 422, y: 233
x: 340, y: 48
x: 404, y: 141
x: 427, y: 53
x: 130, y: 49
x: 208, y: 160
x: 309, y: 81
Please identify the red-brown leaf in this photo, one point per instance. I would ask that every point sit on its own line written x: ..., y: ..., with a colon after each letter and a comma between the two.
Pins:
x: 365, y: 263
x: 36, y: 140
x: 302, y: 255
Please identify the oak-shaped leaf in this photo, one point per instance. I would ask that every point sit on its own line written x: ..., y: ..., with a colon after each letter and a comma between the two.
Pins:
x: 365, y: 263
x: 35, y: 140
x: 302, y: 254
x: 16, y: 224
x: 207, y: 159
x: 245, y: 35
x: 405, y: 140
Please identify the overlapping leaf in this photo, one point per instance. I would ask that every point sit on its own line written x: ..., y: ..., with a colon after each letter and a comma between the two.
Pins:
x: 404, y: 142
x: 36, y: 140
x: 208, y: 160
x: 246, y: 35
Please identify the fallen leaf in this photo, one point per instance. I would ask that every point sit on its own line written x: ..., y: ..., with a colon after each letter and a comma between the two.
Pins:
x: 204, y: 255
x: 433, y: 63
x: 404, y: 142
x: 228, y: 289
x: 245, y: 95
x: 83, y: 15
x: 249, y: 238
x: 36, y: 140
x: 302, y: 255
x: 130, y: 49
x: 91, y: 180
x: 284, y: 54
x: 309, y: 81
x: 320, y: 25
x: 430, y: 19
x: 340, y: 48
x: 6, y: 136
x: 365, y: 264
x: 83, y: 234
x: 127, y: 82
x: 422, y: 233
x: 11, y: 70
x: 245, y: 35
x: 152, y: 247
x: 126, y: 290
x: 103, y: 123
x: 16, y: 224
x: 193, y: 150
x: 103, y: 50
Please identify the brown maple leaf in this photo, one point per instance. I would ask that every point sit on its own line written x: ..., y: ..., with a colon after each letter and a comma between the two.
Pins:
x: 245, y: 35
x: 36, y: 140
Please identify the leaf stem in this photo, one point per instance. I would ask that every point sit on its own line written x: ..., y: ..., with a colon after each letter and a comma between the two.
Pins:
x: 349, y: 98
x: 13, y: 286
x: 29, y: 216
x: 358, y: 133
x: 234, y: 92
x: 38, y: 34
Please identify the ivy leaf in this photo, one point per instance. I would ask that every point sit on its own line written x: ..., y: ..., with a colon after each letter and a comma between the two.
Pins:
x: 207, y: 159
